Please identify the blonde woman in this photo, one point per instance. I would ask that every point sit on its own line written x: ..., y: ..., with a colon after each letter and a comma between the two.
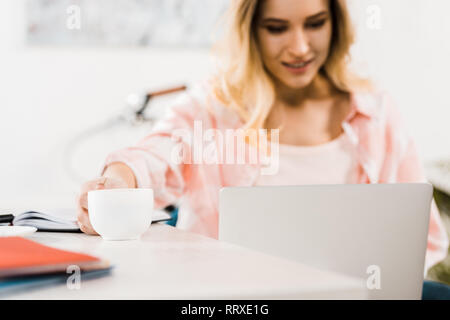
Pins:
x: 282, y: 64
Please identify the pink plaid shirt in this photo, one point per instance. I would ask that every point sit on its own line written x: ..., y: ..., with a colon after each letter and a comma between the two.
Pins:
x: 385, y: 153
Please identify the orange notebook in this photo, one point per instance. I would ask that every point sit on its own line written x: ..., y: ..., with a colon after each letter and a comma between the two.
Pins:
x: 21, y: 257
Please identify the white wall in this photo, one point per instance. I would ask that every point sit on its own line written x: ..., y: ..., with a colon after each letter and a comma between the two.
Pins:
x: 409, y: 56
x: 49, y: 94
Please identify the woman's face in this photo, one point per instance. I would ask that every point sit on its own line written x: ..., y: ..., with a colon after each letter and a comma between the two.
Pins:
x: 294, y: 38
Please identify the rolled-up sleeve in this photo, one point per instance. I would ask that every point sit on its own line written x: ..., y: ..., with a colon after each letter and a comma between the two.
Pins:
x: 151, y: 160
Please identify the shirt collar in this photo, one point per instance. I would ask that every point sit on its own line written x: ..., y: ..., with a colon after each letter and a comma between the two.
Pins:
x: 362, y: 103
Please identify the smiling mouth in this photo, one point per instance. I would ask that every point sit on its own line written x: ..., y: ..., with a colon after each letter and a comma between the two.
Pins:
x: 297, y: 65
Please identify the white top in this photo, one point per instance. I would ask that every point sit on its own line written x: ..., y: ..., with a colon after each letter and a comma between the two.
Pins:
x: 330, y: 163
x: 169, y: 263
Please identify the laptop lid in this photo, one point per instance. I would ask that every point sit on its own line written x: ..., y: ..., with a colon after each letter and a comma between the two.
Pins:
x: 376, y: 232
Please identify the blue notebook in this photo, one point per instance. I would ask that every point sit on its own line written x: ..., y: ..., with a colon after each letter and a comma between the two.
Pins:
x: 21, y: 284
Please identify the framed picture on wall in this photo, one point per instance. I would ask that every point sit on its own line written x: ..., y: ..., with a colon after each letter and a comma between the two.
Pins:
x: 142, y: 23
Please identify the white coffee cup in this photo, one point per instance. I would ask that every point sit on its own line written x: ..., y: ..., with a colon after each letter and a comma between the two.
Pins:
x: 120, y: 214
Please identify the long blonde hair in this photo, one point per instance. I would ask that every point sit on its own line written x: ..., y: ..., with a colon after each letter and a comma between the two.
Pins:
x: 241, y: 81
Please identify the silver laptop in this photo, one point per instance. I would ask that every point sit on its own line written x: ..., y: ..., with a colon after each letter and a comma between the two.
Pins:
x: 375, y: 232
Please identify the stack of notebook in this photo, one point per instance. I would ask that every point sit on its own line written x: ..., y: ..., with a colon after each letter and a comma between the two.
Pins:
x: 25, y: 264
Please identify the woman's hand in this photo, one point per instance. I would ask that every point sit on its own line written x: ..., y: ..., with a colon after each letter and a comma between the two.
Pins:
x: 82, y: 203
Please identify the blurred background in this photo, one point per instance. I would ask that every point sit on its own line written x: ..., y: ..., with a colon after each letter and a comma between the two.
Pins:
x: 61, y: 84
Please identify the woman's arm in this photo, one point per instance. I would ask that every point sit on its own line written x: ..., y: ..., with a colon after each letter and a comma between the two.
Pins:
x: 150, y: 163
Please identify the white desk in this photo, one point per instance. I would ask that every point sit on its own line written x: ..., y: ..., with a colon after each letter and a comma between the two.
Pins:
x: 168, y: 263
